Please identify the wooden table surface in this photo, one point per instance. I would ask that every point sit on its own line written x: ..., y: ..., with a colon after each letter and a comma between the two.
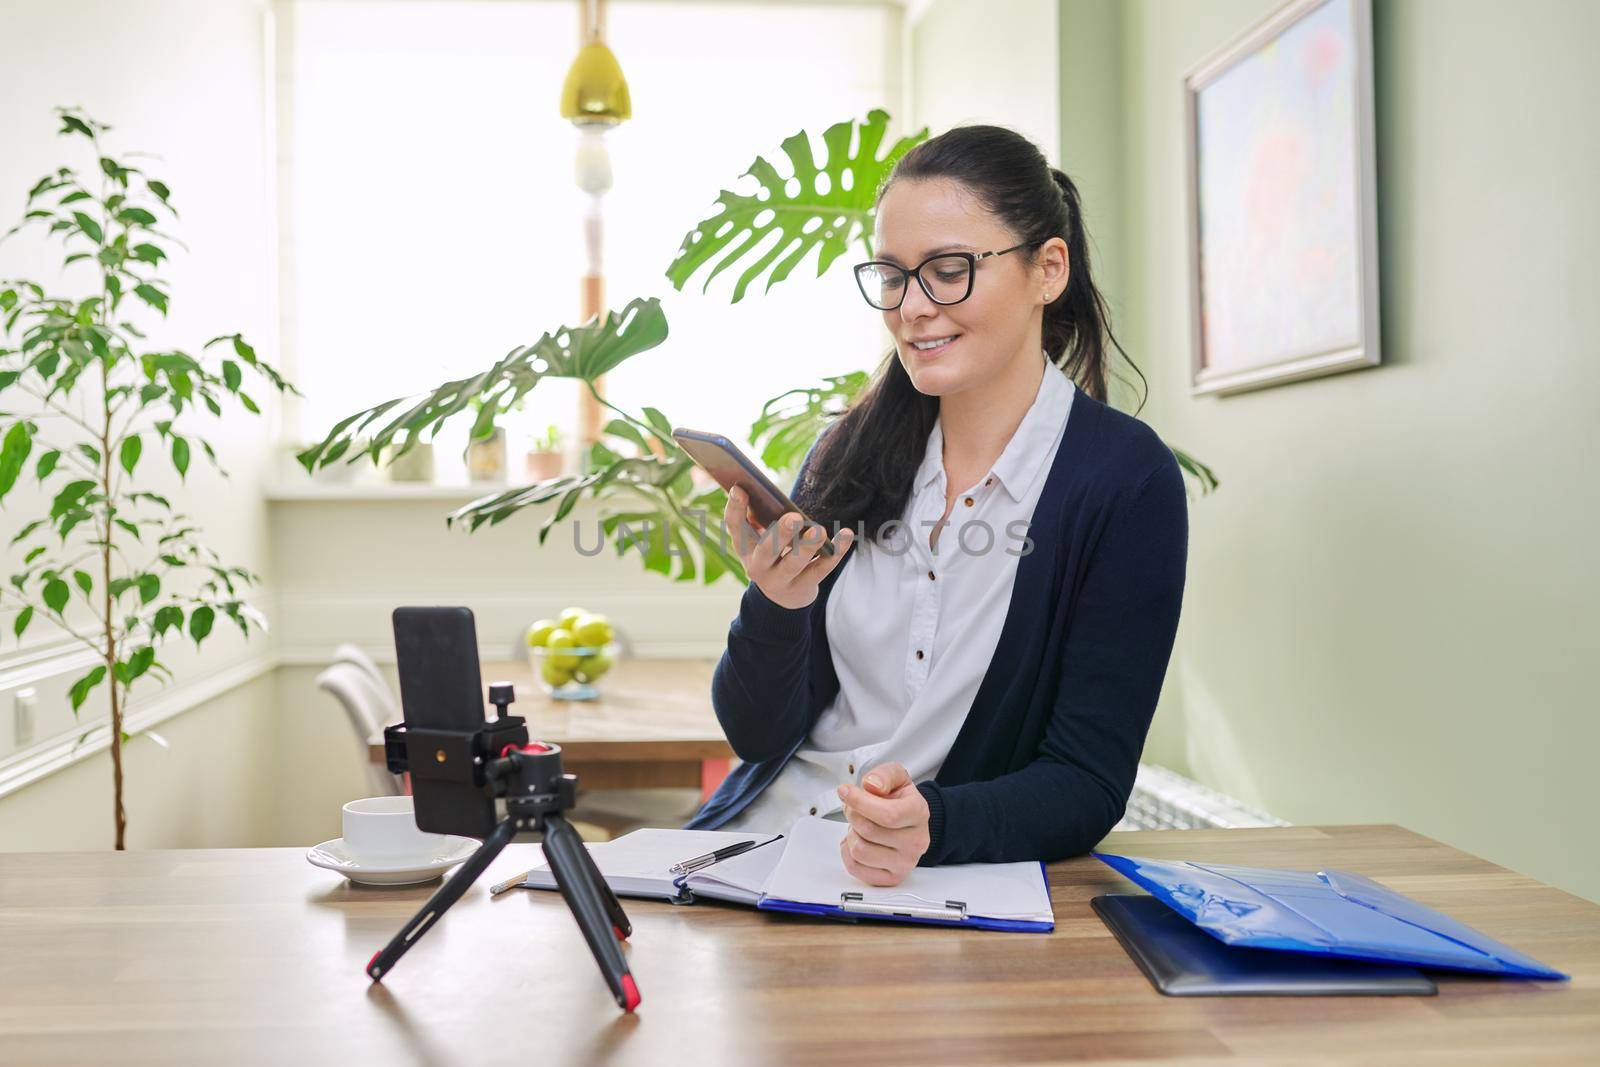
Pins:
x: 256, y: 956
x: 652, y: 725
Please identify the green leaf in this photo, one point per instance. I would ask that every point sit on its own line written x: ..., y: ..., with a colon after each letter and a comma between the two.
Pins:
x: 232, y: 376
x: 28, y: 529
x: 89, y: 227
x: 245, y: 352
x: 582, y: 352
x: 152, y: 296
x: 180, y: 455
x: 85, y: 582
x: 13, y: 453
x: 167, y: 618
x: 803, y: 220
x: 128, y: 454
x: 149, y: 587
x: 56, y: 595
x: 20, y: 623
x: 148, y: 253
x: 68, y: 498
x: 136, y: 216
x: 658, y: 421
x: 80, y: 688
x: 200, y: 621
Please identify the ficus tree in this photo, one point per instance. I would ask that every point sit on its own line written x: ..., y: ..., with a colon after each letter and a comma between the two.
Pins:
x: 87, y: 410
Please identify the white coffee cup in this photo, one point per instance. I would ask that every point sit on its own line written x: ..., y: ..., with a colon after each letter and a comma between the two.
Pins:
x: 384, y: 830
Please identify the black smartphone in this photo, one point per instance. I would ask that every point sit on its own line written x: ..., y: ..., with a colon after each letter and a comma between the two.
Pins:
x: 441, y: 688
x: 721, y: 458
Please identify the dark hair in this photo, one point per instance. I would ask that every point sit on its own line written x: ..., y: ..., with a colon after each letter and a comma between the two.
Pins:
x: 861, y: 472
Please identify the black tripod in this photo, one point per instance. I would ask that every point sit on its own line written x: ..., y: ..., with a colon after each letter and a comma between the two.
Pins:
x: 536, y: 791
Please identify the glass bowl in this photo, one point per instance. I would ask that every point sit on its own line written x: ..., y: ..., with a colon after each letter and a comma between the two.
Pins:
x: 572, y: 673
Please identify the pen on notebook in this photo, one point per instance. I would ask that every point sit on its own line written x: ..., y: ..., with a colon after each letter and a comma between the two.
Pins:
x: 691, y: 865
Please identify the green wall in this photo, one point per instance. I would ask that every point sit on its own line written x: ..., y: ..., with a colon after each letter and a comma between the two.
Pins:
x: 1390, y: 614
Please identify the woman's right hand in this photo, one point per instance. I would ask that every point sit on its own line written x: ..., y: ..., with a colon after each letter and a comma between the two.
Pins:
x: 785, y: 567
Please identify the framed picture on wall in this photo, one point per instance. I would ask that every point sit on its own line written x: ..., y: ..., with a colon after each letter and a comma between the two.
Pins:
x: 1282, y: 188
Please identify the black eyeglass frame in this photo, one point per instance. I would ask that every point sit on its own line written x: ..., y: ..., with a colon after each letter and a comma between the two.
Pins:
x: 916, y: 272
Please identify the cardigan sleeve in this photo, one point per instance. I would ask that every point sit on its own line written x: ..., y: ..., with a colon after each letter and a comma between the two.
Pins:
x: 760, y: 689
x: 1117, y: 648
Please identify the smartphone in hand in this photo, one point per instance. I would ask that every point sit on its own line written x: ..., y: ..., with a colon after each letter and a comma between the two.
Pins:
x: 721, y: 458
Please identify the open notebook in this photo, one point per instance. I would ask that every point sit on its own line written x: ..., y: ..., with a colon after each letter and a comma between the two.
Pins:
x: 802, y: 872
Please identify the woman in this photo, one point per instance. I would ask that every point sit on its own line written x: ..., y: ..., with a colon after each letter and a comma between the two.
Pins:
x: 973, y: 680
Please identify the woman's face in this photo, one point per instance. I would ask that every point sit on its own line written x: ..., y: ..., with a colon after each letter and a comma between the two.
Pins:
x: 995, y: 325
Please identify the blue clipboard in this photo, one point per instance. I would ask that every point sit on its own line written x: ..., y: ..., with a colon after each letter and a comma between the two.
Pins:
x: 953, y: 913
x: 1332, y: 913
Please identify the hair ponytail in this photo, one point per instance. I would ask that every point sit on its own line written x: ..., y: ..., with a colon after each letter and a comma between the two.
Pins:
x: 861, y: 473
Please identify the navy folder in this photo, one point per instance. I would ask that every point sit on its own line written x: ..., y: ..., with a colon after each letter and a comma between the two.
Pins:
x: 1181, y: 960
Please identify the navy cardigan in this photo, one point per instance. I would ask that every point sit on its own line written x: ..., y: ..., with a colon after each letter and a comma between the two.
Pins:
x: 1046, y: 757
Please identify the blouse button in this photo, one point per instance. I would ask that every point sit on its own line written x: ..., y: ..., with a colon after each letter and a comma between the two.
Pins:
x: 988, y: 481
x: 969, y: 501
x: 813, y: 809
x: 919, y: 653
x: 930, y: 576
x: 852, y: 768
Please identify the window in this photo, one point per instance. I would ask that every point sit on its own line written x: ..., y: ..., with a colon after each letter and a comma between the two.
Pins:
x: 432, y: 222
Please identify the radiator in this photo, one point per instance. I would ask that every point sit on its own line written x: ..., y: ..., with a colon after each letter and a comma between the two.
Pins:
x: 1166, y: 800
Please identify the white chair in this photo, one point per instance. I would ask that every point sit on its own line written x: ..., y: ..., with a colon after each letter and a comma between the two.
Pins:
x: 363, y: 703
x: 357, y: 657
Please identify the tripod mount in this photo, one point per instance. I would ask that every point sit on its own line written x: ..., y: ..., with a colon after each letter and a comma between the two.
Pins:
x: 457, y: 771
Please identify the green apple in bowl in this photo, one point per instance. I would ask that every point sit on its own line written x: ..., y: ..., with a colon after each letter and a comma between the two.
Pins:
x: 554, y: 645
x: 592, y: 630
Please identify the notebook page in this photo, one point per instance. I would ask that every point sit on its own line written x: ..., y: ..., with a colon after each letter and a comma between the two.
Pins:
x: 741, y: 878
x: 644, y: 857
x: 812, y: 872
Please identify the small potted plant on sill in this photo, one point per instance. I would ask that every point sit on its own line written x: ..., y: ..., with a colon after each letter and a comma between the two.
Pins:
x: 547, y: 455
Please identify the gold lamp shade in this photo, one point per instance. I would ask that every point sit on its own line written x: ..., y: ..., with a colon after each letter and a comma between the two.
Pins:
x: 595, y: 92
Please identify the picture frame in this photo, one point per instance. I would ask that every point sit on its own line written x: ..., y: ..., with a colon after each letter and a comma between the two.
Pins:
x: 1281, y: 180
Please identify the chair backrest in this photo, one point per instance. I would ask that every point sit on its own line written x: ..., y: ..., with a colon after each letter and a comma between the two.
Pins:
x: 363, y: 709
x: 357, y: 657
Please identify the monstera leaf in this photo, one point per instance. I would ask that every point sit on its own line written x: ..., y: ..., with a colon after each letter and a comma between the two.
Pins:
x: 829, y: 206
x: 583, y: 352
x: 791, y: 422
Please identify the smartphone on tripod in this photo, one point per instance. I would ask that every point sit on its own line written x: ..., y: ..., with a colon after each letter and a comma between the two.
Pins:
x: 441, y: 689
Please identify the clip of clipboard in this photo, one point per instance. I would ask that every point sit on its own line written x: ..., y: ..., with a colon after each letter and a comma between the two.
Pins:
x: 951, y: 911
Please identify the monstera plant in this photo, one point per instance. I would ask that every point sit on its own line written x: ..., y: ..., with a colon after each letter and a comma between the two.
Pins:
x: 650, y: 500
x: 113, y: 565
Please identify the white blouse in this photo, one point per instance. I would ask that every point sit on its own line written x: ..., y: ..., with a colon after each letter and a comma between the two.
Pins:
x: 912, y: 628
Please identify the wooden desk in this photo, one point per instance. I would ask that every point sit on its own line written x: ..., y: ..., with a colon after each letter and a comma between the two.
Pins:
x: 254, y: 956
x: 652, y: 724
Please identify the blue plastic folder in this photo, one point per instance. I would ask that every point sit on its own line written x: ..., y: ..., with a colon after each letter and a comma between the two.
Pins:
x: 1332, y: 913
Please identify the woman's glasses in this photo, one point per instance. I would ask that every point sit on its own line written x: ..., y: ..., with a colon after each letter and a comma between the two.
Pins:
x: 946, y: 278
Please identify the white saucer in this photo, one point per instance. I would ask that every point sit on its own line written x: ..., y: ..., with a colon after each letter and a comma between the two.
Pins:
x: 332, y: 856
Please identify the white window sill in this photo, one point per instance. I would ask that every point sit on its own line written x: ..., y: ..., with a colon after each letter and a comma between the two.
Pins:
x: 379, y: 492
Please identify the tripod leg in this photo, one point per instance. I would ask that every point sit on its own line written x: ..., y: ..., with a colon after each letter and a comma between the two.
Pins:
x: 586, y: 899
x: 441, y: 900
x: 619, y: 918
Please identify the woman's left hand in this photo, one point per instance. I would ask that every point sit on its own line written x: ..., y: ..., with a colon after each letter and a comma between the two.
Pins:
x: 888, y: 826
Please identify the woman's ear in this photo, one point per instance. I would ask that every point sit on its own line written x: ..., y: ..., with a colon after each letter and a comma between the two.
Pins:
x: 1054, y: 270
